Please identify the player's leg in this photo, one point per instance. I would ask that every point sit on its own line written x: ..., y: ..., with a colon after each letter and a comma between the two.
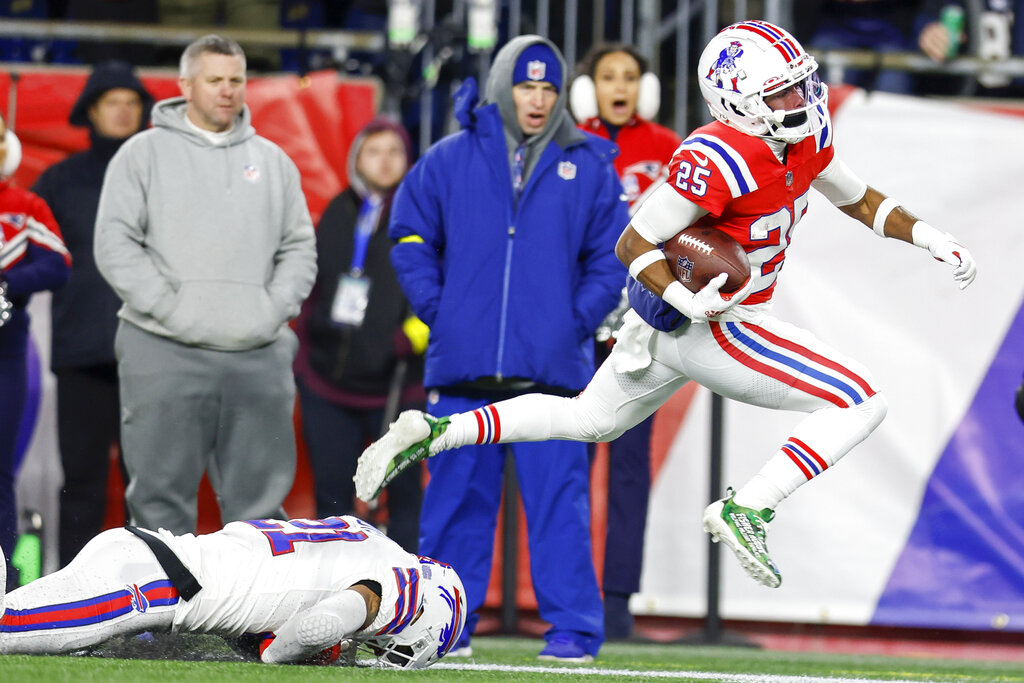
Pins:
x: 612, y: 403
x: 253, y: 466
x: 460, y: 511
x: 778, y: 365
x: 115, y: 586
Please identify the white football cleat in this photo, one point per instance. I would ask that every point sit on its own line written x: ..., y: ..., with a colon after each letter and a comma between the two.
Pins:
x: 406, y: 443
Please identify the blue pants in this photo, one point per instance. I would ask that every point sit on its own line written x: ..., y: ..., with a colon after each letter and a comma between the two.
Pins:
x: 14, y: 380
x: 459, y: 517
x: 335, y: 437
x: 629, y: 487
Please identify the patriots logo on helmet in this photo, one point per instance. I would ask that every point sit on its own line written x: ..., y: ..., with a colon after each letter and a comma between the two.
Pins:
x: 536, y: 70
x: 725, y: 69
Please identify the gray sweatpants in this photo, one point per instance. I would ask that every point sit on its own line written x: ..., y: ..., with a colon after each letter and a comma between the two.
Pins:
x: 187, y: 410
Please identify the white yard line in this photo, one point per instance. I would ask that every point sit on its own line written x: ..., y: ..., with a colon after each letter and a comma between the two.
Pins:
x: 680, y: 675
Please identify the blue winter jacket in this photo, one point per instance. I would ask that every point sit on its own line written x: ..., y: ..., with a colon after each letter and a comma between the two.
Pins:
x: 509, y: 291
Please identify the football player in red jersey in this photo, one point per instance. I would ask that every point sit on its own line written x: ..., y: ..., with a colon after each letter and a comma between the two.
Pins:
x: 747, y: 173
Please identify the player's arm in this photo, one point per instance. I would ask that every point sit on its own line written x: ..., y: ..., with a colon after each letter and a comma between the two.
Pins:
x: 887, y: 217
x: 323, y: 625
x: 657, y: 220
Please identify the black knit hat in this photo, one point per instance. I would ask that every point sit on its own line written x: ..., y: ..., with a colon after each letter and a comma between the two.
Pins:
x: 108, y: 76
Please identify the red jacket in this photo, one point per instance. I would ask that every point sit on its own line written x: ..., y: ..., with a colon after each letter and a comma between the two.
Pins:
x: 28, y: 233
x: 645, y: 150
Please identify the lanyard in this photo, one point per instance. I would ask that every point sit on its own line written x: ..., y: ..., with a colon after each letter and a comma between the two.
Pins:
x: 369, y: 214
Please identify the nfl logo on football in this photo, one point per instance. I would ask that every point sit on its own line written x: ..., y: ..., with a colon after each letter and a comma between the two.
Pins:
x: 535, y: 70
x: 684, y: 268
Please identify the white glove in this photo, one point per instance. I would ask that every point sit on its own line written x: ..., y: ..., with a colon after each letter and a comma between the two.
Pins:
x: 944, y: 247
x: 955, y: 254
x: 708, y: 302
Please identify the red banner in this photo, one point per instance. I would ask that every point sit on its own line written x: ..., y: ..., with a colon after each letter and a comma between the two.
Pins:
x: 314, y: 119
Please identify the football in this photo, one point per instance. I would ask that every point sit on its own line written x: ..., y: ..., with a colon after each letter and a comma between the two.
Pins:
x: 698, y: 254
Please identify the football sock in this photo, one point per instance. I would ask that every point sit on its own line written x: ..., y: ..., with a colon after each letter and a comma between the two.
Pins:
x: 532, y: 417
x: 816, y: 444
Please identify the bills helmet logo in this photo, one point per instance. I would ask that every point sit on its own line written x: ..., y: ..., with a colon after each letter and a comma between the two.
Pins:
x: 566, y: 170
x: 140, y: 603
x: 450, y: 631
x: 536, y: 70
x: 725, y: 71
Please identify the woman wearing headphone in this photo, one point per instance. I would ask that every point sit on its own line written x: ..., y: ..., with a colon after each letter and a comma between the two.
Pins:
x: 32, y: 258
x: 614, y: 97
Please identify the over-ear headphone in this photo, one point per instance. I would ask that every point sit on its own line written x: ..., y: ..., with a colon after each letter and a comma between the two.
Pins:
x: 13, y: 158
x: 583, y: 92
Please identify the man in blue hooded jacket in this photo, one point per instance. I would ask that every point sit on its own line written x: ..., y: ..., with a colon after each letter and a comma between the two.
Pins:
x: 505, y: 238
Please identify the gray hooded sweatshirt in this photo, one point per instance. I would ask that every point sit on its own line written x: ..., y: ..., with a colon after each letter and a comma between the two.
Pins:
x: 209, y: 245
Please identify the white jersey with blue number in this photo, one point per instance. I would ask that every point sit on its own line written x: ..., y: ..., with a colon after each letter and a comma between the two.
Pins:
x: 257, y: 574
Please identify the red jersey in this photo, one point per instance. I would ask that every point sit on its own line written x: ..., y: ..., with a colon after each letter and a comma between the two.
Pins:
x: 749, y: 193
x: 24, y: 218
x: 645, y: 149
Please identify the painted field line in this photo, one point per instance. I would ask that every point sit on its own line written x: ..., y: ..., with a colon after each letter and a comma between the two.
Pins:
x: 679, y: 675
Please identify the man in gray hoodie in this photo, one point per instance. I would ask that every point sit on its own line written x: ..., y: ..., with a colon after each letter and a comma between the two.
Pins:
x: 204, y: 233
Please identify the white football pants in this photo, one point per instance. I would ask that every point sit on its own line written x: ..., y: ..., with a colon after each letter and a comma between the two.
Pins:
x: 114, y: 586
x: 769, y: 363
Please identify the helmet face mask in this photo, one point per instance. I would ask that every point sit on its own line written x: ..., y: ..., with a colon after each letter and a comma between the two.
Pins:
x: 754, y: 60
x: 436, y: 628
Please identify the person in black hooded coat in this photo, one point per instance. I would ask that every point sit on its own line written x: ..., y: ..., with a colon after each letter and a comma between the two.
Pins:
x: 114, y: 105
x: 349, y: 364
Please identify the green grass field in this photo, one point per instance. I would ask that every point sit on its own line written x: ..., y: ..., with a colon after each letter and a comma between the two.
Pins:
x: 497, y: 658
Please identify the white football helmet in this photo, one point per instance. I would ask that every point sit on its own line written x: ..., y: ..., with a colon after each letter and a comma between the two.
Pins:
x: 750, y: 60
x: 435, y: 629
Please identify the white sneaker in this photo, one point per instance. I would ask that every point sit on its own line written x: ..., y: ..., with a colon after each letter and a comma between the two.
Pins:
x: 744, y: 531
x: 405, y: 444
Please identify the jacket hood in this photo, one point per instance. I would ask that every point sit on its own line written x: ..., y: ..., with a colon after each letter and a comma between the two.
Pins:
x: 498, y: 88
x: 108, y: 76
x: 377, y: 125
x: 170, y: 113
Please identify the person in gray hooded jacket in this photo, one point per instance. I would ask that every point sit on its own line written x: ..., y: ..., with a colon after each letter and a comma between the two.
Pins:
x: 203, y: 232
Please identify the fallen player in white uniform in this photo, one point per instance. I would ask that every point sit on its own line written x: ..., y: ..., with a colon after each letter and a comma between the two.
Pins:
x: 305, y: 586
